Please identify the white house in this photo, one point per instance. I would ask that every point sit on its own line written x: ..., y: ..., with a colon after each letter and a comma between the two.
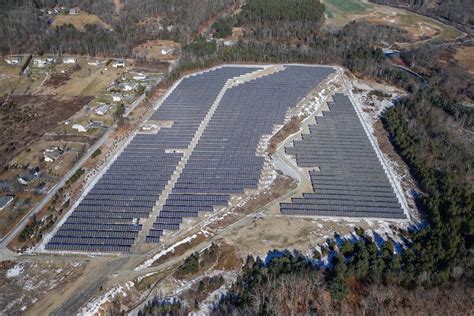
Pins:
x: 13, y: 60
x: 79, y: 128
x: 129, y: 86
x: 101, y: 110
x: 139, y: 77
x: 96, y: 63
x: 117, y: 97
x: 42, y: 62
x: 73, y: 11
x: 51, y: 156
x: 39, y: 62
x: 69, y: 60
x: 119, y: 63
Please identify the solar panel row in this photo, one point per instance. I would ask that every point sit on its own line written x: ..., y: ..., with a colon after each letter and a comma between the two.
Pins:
x: 351, y: 181
x: 103, y: 220
x: 224, y: 161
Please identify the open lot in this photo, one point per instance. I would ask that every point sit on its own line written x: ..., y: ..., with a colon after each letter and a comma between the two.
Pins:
x: 341, y: 12
x: 158, y: 50
x: 26, y: 118
x: 82, y: 79
x: 465, y: 56
x: 79, y: 20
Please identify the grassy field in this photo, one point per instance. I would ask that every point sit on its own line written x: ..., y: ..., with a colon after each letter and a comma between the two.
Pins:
x: 79, y: 20
x: 465, y: 56
x: 341, y: 12
x: 349, y: 6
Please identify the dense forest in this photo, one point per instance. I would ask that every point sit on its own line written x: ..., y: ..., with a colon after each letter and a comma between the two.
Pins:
x: 24, y: 26
x: 281, y: 19
x: 458, y: 12
x: 430, y: 129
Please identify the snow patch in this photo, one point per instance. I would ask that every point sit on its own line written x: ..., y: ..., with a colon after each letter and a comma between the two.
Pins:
x: 149, y: 262
x: 15, y: 271
x: 94, y: 306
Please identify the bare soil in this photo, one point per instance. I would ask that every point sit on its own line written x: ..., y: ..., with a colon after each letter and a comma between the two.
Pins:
x: 34, y: 281
x: 292, y: 127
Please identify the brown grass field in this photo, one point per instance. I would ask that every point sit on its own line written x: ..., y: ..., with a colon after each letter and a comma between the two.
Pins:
x: 79, y: 20
x: 465, y: 56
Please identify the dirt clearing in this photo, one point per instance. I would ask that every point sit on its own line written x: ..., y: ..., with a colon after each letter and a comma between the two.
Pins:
x: 23, y: 284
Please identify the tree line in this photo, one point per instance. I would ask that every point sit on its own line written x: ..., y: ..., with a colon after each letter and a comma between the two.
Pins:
x: 25, y: 29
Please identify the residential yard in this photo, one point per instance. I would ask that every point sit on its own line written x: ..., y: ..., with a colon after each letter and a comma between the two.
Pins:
x: 14, y: 84
x: 56, y: 104
x: 26, y: 118
x: 153, y: 50
x: 84, y: 79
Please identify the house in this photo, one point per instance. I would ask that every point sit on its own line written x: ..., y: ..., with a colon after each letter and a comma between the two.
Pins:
x: 119, y: 63
x: 42, y: 62
x: 14, y: 60
x: 51, y: 156
x: 80, y: 128
x: 96, y: 63
x: 139, y: 77
x: 50, y: 149
x: 69, y: 60
x: 29, y: 176
x: 39, y: 62
x: 128, y: 86
x: 102, y: 110
x: 96, y: 124
x: 5, y: 200
x: 117, y: 97
x: 73, y: 11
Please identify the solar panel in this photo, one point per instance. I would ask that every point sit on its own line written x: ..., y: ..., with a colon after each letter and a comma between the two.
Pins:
x: 351, y: 181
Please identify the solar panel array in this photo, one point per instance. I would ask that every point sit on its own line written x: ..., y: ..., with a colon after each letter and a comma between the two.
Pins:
x: 106, y: 219
x: 224, y: 162
x: 351, y: 181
